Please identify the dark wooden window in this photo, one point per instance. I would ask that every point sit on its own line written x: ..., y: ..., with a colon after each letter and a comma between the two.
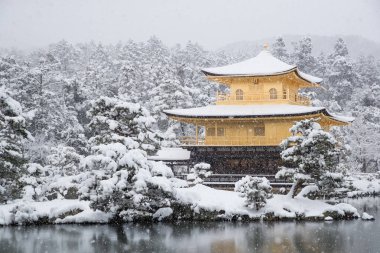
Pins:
x: 259, y: 131
x: 220, y: 131
x: 211, y: 131
x: 239, y: 94
x: 284, y: 93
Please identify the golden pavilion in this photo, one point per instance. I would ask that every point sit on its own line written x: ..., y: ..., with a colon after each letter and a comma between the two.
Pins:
x: 243, y: 130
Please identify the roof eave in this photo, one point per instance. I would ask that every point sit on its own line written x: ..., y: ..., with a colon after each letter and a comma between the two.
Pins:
x: 295, y: 69
x: 244, y: 116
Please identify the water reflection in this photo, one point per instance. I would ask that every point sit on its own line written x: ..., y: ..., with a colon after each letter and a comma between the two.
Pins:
x: 303, y: 237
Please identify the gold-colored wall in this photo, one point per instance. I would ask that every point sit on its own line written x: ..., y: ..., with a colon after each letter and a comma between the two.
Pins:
x: 243, y: 133
x: 257, y: 90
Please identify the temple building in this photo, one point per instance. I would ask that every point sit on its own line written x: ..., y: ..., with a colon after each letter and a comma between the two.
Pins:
x: 241, y: 133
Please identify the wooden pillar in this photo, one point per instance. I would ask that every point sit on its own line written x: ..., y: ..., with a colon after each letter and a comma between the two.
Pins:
x: 216, y: 134
x: 196, y: 134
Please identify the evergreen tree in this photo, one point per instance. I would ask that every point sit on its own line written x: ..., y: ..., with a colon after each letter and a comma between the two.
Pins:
x: 341, y: 77
x: 255, y: 191
x: 309, y: 153
x: 125, y: 183
x: 302, y: 56
x: 279, y: 50
x: 199, y: 173
x: 12, y: 135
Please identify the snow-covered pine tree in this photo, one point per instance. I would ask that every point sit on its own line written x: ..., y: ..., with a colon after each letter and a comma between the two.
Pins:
x: 12, y: 135
x: 167, y: 95
x: 199, y: 173
x: 309, y: 154
x: 341, y: 77
x: 122, y: 139
x: 302, y: 56
x: 279, y: 50
x: 255, y: 191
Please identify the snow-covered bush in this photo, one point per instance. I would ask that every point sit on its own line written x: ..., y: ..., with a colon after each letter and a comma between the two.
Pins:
x: 199, y: 173
x: 64, y: 160
x: 330, y: 181
x: 255, y: 191
x: 33, y: 182
x: 24, y: 214
x: 309, y: 154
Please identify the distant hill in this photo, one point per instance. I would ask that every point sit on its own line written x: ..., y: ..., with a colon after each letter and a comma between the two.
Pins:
x: 356, y: 45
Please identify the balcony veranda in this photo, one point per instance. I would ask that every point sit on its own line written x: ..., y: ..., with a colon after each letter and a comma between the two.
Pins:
x: 230, y: 141
x: 257, y: 98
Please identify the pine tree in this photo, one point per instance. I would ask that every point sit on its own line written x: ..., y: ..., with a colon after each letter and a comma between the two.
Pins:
x: 340, y: 76
x: 255, y: 191
x: 302, y: 56
x: 12, y: 135
x: 279, y: 50
x: 126, y: 183
x: 309, y: 153
x: 199, y: 173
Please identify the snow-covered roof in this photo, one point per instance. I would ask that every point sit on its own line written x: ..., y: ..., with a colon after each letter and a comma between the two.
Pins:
x: 251, y: 111
x: 264, y: 64
x: 171, y: 154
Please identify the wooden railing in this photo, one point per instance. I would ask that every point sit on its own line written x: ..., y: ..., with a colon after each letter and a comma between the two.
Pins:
x: 226, y: 99
x: 230, y: 141
x: 191, y: 141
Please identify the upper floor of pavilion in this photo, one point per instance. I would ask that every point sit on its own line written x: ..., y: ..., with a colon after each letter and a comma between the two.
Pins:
x: 263, y: 79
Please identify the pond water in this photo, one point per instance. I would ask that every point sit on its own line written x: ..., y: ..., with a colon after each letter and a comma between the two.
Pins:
x: 337, y: 236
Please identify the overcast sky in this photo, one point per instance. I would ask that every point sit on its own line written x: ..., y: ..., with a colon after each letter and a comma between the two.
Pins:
x: 28, y: 24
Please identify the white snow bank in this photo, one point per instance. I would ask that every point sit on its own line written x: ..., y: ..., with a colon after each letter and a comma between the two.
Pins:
x: 364, y: 184
x: 366, y: 216
x: 210, y: 199
x: 162, y: 213
x: 282, y: 206
x: 22, y: 212
x: 171, y: 154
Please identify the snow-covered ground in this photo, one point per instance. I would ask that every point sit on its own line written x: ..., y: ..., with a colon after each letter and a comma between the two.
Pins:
x: 198, y: 200
x: 365, y: 184
x: 227, y: 205
x: 279, y: 207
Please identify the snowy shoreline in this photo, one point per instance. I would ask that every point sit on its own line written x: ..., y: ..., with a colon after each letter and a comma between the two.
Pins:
x: 197, y: 203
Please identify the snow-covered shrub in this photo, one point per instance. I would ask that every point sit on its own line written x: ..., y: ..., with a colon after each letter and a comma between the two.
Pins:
x: 24, y: 214
x: 33, y: 182
x: 330, y: 181
x: 255, y: 191
x: 285, y: 173
x: 64, y: 160
x: 199, y: 173
x: 310, y: 152
x: 309, y: 191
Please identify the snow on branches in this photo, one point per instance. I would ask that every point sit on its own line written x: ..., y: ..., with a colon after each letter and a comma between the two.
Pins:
x: 199, y: 173
x: 12, y: 135
x: 255, y: 191
x: 125, y: 182
x: 309, y: 154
